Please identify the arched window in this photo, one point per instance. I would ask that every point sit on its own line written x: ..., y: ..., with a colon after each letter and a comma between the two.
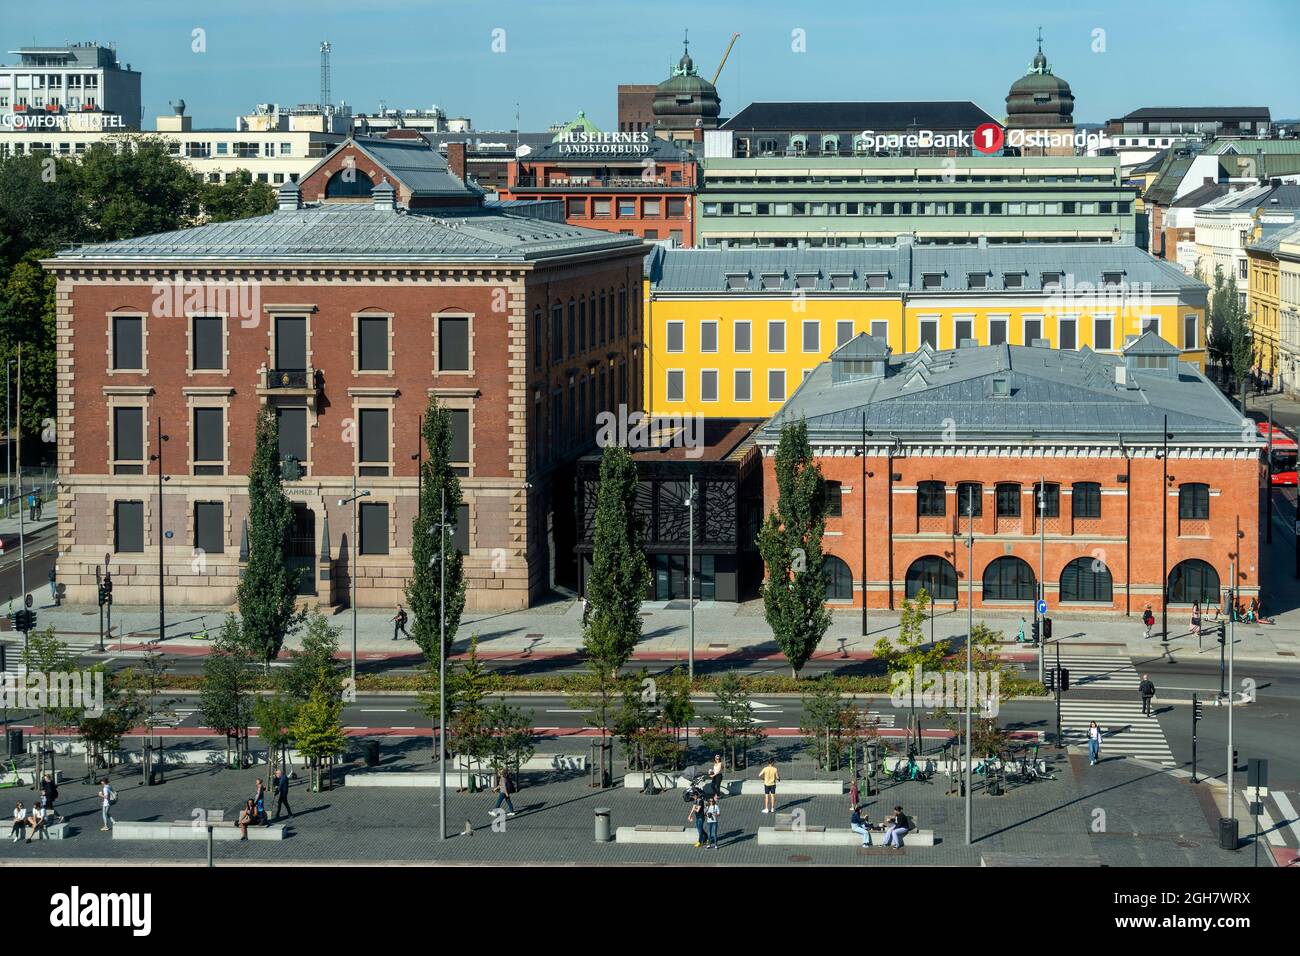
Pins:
x: 1009, y: 579
x: 350, y: 183
x: 1193, y: 580
x: 1086, y: 579
x: 1194, y: 501
x: 839, y: 581
x: 935, y: 574
x: 929, y: 499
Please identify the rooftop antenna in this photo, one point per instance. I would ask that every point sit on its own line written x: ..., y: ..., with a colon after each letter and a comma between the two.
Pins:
x: 325, y: 76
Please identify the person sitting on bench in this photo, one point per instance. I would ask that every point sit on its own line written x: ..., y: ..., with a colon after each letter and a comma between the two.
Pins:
x: 37, y: 822
x: 246, y: 816
x: 20, y: 822
x: 895, y: 827
x: 859, y: 823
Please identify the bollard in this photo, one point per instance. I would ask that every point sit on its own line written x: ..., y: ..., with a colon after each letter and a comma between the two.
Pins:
x: 603, y: 832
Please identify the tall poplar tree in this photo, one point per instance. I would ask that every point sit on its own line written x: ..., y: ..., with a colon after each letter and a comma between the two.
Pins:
x: 794, y: 593
x: 423, y: 593
x: 268, y: 591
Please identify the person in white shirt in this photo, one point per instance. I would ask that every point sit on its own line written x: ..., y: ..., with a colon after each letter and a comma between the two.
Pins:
x: 36, y: 821
x: 711, y: 814
x: 1094, y: 744
x: 20, y: 822
x: 106, y: 795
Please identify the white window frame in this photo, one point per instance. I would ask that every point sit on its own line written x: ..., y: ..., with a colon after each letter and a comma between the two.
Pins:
x: 717, y: 390
x: 839, y: 328
x: 668, y: 378
x: 770, y: 373
x: 773, y: 323
x: 668, y: 339
x: 704, y: 323
x: 803, y: 336
x: 749, y: 383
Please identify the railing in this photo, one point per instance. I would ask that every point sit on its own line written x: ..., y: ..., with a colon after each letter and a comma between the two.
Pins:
x: 299, y: 378
x: 594, y: 182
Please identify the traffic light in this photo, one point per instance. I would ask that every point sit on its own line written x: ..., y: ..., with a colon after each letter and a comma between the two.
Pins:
x: 26, y: 621
x: 1198, y: 709
x: 1223, y: 633
x: 1047, y: 628
x: 108, y: 588
x: 1049, y: 679
x: 1035, y: 630
x: 1065, y: 679
x: 13, y: 620
x: 103, y: 596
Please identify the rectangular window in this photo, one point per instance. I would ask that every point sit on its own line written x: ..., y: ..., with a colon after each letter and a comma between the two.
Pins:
x: 207, y: 347
x: 128, y: 441
x: 460, y: 536
x: 1085, y: 500
x: 290, y: 343
x: 676, y: 336
x: 997, y: 331
x: 741, y: 333
x: 210, y: 526
x: 1194, y: 502
x: 932, y: 280
x: 676, y: 391
x: 676, y: 208
x: 293, y: 433
x: 930, y: 332
x: 650, y: 207
x: 537, y: 339
x: 709, y: 385
x: 372, y: 343
x: 128, y: 342
x: 1101, y: 337
x: 1013, y: 280
x: 573, y: 327
x: 962, y: 329
x: 709, y: 336
x: 577, y: 208
x: 930, y: 499
x: 742, y: 382
x: 373, y: 448
x: 1151, y: 325
x: 880, y: 330
x: 453, y: 343
x: 776, y: 335
x: 1191, y: 332
x: 128, y: 526
x: 1051, y: 279
x: 977, y: 280
x: 1033, y: 330
x: 460, y: 455
x: 627, y: 209
x: 1008, y: 501
x: 1047, y: 501
x: 776, y: 385
x: 373, y: 520
x: 1066, y: 335
x: 812, y: 335
x: 843, y: 331
x: 602, y: 208
x: 876, y: 281
x: 582, y: 325
x: 209, y: 441
x: 970, y: 499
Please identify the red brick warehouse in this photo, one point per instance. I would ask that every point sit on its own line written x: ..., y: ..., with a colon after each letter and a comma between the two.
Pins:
x: 345, y: 313
x: 965, y: 437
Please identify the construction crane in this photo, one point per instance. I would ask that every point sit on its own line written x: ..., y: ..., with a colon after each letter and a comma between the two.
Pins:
x: 325, y: 76
x: 718, y: 72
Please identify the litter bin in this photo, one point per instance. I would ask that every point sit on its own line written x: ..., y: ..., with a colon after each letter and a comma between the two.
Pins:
x: 372, y: 753
x: 1228, y: 839
x: 15, y: 740
x: 603, y: 831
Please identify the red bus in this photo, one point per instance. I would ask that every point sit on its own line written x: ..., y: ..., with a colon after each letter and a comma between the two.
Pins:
x: 1283, y: 464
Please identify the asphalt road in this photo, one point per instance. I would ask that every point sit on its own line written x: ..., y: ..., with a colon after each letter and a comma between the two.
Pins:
x: 41, y: 549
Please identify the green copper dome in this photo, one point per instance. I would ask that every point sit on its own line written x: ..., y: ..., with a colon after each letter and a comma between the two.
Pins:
x: 686, y: 97
x: 1039, y: 97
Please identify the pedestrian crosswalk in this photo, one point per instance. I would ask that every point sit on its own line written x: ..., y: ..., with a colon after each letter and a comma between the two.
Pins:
x: 1098, y: 671
x: 1124, y: 730
x: 1279, y: 824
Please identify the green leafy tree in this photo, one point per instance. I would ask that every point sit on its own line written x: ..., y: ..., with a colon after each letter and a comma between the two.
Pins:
x: 620, y: 574
x: 27, y: 321
x: 138, y: 190
x: 823, y: 723
x: 1219, y: 340
x: 45, y: 656
x: 147, y: 686
x: 1241, y: 353
x: 794, y: 593
x: 103, y: 733
x: 675, y: 695
x: 40, y: 207
x: 318, y: 731
x: 468, y: 685
x: 635, y: 713
x: 226, y: 688
x: 268, y: 590
x: 313, y: 665
x: 509, y: 737
x: 274, y: 716
x: 431, y: 552
x: 239, y: 197
x: 599, y: 700
x: 735, y: 729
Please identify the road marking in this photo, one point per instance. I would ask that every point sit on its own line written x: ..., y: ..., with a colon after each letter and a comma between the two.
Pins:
x: 1288, y: 811
x: 568, y: 712
x: 1124, y: 729
x: 1265, y: 821
x: 384, y: 710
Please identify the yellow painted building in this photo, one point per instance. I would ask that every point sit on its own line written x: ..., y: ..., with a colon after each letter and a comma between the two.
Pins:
x: 732, y: 333
x: 1263, y: 299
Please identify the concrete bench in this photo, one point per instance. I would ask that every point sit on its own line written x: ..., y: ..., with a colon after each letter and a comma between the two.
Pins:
x: 52, y: 831
x: 409, y: 778
x: 785, y: 788
x: 656, y: 834
x: 189, y: 830
x: 29, y: 776
x: 535, y: 763
x: 835, y: 836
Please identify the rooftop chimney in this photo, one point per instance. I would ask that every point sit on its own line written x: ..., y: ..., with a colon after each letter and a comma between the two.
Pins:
x: 384, y: 196
x: 288, y: 196
x: 456, y: 160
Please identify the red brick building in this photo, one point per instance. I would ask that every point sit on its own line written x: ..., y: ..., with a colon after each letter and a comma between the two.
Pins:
x: 344, y: 314
x: 987, y: 425
x: 629, y: 183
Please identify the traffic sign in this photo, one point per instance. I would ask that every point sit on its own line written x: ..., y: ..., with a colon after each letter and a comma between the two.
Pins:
x: 1042, y: 607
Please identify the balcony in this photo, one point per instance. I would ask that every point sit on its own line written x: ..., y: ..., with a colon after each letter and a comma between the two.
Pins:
x: 291, y: 383
x: 572, y: 183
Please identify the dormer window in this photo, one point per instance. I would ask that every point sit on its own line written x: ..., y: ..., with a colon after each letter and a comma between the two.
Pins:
x: 1052, y: 279
x: 737, y: 281
x: 932, y: 280
x: 1112, y: 279
x: 876, y: 280
x: 807, y: 280
x: 1001, y: 386
x: 841, y: 280
x: 1013, y: 280
x: 977, y: 280
x: 771, y: 282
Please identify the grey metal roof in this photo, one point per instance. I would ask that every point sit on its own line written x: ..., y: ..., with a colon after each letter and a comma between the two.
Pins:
x: 861, y: 348
x: 706, y: 270
x: 417, y: 166
x: 1148, y: 343
x: 1267, y: 197
x: 1273, y: 235
x: 1055, y: 395
x: 810, y: 117
x: 613, y: 152
x: 358, y: 232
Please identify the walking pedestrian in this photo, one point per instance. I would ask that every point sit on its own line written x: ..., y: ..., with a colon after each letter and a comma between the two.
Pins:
x: 259, y: 801
x: 31, y: 506
x: 770, y: 777
x: 697, y: 815
x: 1094, y: 743
x: 503, y: 794
x: 40, y: 504
x: 1148, y: 621
x: 711, y: 814
x: 1147, y: 690
x: 1020, y: 635
x: 108, y: 797
x: 399, y: 622
x: 54, y: 586
x: 49, y: 793
x: 1196, y: 619
x: 281, y: 784
x: 853, y: 793
x: 716, y: 775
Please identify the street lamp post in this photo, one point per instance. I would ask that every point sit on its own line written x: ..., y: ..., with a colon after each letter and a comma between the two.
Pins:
x: 1232, y: 637
x: 690, y: 576
x: 442, y: 665
x: 162, y: 535
x: 1164, y: 529
x: 865, y: 576
x: 352, y: 567
x: 970, y: 629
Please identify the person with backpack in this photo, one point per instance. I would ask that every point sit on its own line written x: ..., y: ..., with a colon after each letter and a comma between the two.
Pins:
x: 50, y: 793
x: 1148, y: 621
x: 503, y: 794
x: 1147, y: 690
x: 399, y: 622
x: 697, y: 815
x: 109, y: 797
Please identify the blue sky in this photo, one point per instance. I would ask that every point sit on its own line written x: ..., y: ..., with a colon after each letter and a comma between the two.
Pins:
x: 562, y: 56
